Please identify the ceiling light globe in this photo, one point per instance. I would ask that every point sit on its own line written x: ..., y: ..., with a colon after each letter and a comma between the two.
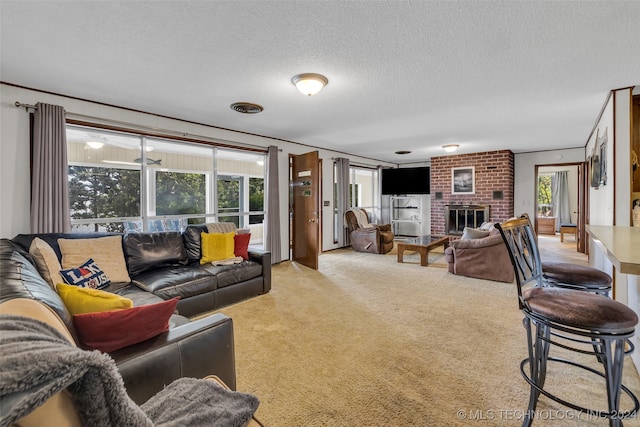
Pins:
x: 96, y: 145
x: 450, y: 148
x: 309, y: 83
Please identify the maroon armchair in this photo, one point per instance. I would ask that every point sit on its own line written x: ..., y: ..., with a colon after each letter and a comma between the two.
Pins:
x: 377, y: 239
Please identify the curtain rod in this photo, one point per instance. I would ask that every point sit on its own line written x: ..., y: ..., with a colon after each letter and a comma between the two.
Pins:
x: 357, y: 163
x: 151, y: 128
x: 26, y: 106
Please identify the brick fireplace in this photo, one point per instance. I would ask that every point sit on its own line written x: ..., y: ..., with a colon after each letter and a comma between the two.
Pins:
x: 494, y: 177
x: 457, y: 217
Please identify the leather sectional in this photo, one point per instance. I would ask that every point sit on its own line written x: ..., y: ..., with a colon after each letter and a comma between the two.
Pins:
x: 161, y: 266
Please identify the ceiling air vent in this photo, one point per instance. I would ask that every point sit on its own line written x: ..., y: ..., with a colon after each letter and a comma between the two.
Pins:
x: 246, y: 107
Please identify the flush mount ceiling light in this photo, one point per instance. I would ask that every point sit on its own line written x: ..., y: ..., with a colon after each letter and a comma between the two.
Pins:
x: 96, y: 145
x: 403, y: 152
x: 246, y: 107
x: 450, y: 148
x: 309, y: 83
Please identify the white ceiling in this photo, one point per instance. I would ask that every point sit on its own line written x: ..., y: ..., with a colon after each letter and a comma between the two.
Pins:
x: 413, y: 75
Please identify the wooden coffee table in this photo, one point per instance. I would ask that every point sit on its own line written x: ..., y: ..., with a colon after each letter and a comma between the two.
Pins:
x: 422, y: 245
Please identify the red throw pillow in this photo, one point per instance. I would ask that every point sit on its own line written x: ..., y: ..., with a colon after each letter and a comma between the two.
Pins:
x: 112, y: 330
x: 241, y: 245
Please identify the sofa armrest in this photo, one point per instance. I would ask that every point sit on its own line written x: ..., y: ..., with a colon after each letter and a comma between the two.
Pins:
x: 264, y: 258
x: 197, y: 349
x: 481, y: 243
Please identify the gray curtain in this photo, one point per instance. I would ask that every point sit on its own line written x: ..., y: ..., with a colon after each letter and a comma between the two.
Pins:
x: 560, y: 196
x: 49, y: 184
x: 342, y: 197
x: 272, y: 196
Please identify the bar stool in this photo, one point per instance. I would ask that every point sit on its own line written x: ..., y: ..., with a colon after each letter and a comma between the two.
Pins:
x: 554, y: 316
x: 573, y: 276
x: 579, y: 277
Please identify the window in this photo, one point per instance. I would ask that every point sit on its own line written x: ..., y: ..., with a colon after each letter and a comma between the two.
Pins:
x: 256, y: 200
x: 230, y: 198
x: 363, y: 193
x: 545, y: 195
x: 179, y: 193
x: 131, y: 183
x: 99, y: 192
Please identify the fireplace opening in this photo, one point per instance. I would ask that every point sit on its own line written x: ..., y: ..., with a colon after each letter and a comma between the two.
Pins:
x: 457, y: 217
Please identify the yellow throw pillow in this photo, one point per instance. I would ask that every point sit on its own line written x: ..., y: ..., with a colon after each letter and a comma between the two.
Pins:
x: 86, y: 300
x: 216, y: 246
x: 46, y: 261
x: 105, y: 251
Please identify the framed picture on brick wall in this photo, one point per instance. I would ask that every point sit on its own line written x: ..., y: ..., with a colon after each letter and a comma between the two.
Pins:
x: 463, y: 180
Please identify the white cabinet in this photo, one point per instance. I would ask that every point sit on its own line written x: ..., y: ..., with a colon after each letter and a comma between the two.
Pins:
x: 406, y: 215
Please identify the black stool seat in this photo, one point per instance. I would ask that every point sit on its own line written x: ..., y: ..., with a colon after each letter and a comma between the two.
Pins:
x: 573, y: 276
x: 581, y: 310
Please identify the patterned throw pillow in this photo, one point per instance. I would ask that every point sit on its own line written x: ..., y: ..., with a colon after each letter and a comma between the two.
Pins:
x: 88, y: 275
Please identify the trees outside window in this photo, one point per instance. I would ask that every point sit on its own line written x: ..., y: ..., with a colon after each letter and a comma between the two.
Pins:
x: 180, y: 193
x: 229, y: 198
x: 545, y: 196
x: 256, y: 200
x: 130, y: 182
x: 97, y: 192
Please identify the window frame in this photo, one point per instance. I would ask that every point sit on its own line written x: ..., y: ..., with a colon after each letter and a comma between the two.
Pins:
x: 148, y: 178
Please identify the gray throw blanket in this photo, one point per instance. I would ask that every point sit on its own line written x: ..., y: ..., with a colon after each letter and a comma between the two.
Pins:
x: 36, y: 362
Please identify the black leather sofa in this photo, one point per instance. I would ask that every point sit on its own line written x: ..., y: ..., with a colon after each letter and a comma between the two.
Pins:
x: 160, y: 267
x: 167, y: 265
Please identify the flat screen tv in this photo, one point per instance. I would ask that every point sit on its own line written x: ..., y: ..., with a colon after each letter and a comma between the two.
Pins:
x: 406, y: 180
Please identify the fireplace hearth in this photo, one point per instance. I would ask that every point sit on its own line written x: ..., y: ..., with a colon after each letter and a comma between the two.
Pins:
x: 457, y: 217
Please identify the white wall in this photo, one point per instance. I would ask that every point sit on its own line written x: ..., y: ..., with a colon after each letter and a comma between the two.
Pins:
x: 610, y: 204
x: 601, y: 203
x: 525, y: 175
x: 14, y: 161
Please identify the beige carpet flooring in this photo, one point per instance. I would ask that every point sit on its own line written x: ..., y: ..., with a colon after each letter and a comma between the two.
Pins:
x: 366, y: 341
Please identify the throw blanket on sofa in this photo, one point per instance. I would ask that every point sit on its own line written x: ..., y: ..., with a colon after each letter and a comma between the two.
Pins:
x: 221, y: 227
x: 37, y: 362
x: 361, y: 217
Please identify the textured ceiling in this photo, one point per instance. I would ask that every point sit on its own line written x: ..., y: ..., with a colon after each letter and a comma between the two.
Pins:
x: 411, y: 75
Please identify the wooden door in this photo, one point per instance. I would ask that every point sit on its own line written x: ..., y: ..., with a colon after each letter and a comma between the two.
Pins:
x: 582, y: 191
x: 305, y: 208
x: 583, y: 187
